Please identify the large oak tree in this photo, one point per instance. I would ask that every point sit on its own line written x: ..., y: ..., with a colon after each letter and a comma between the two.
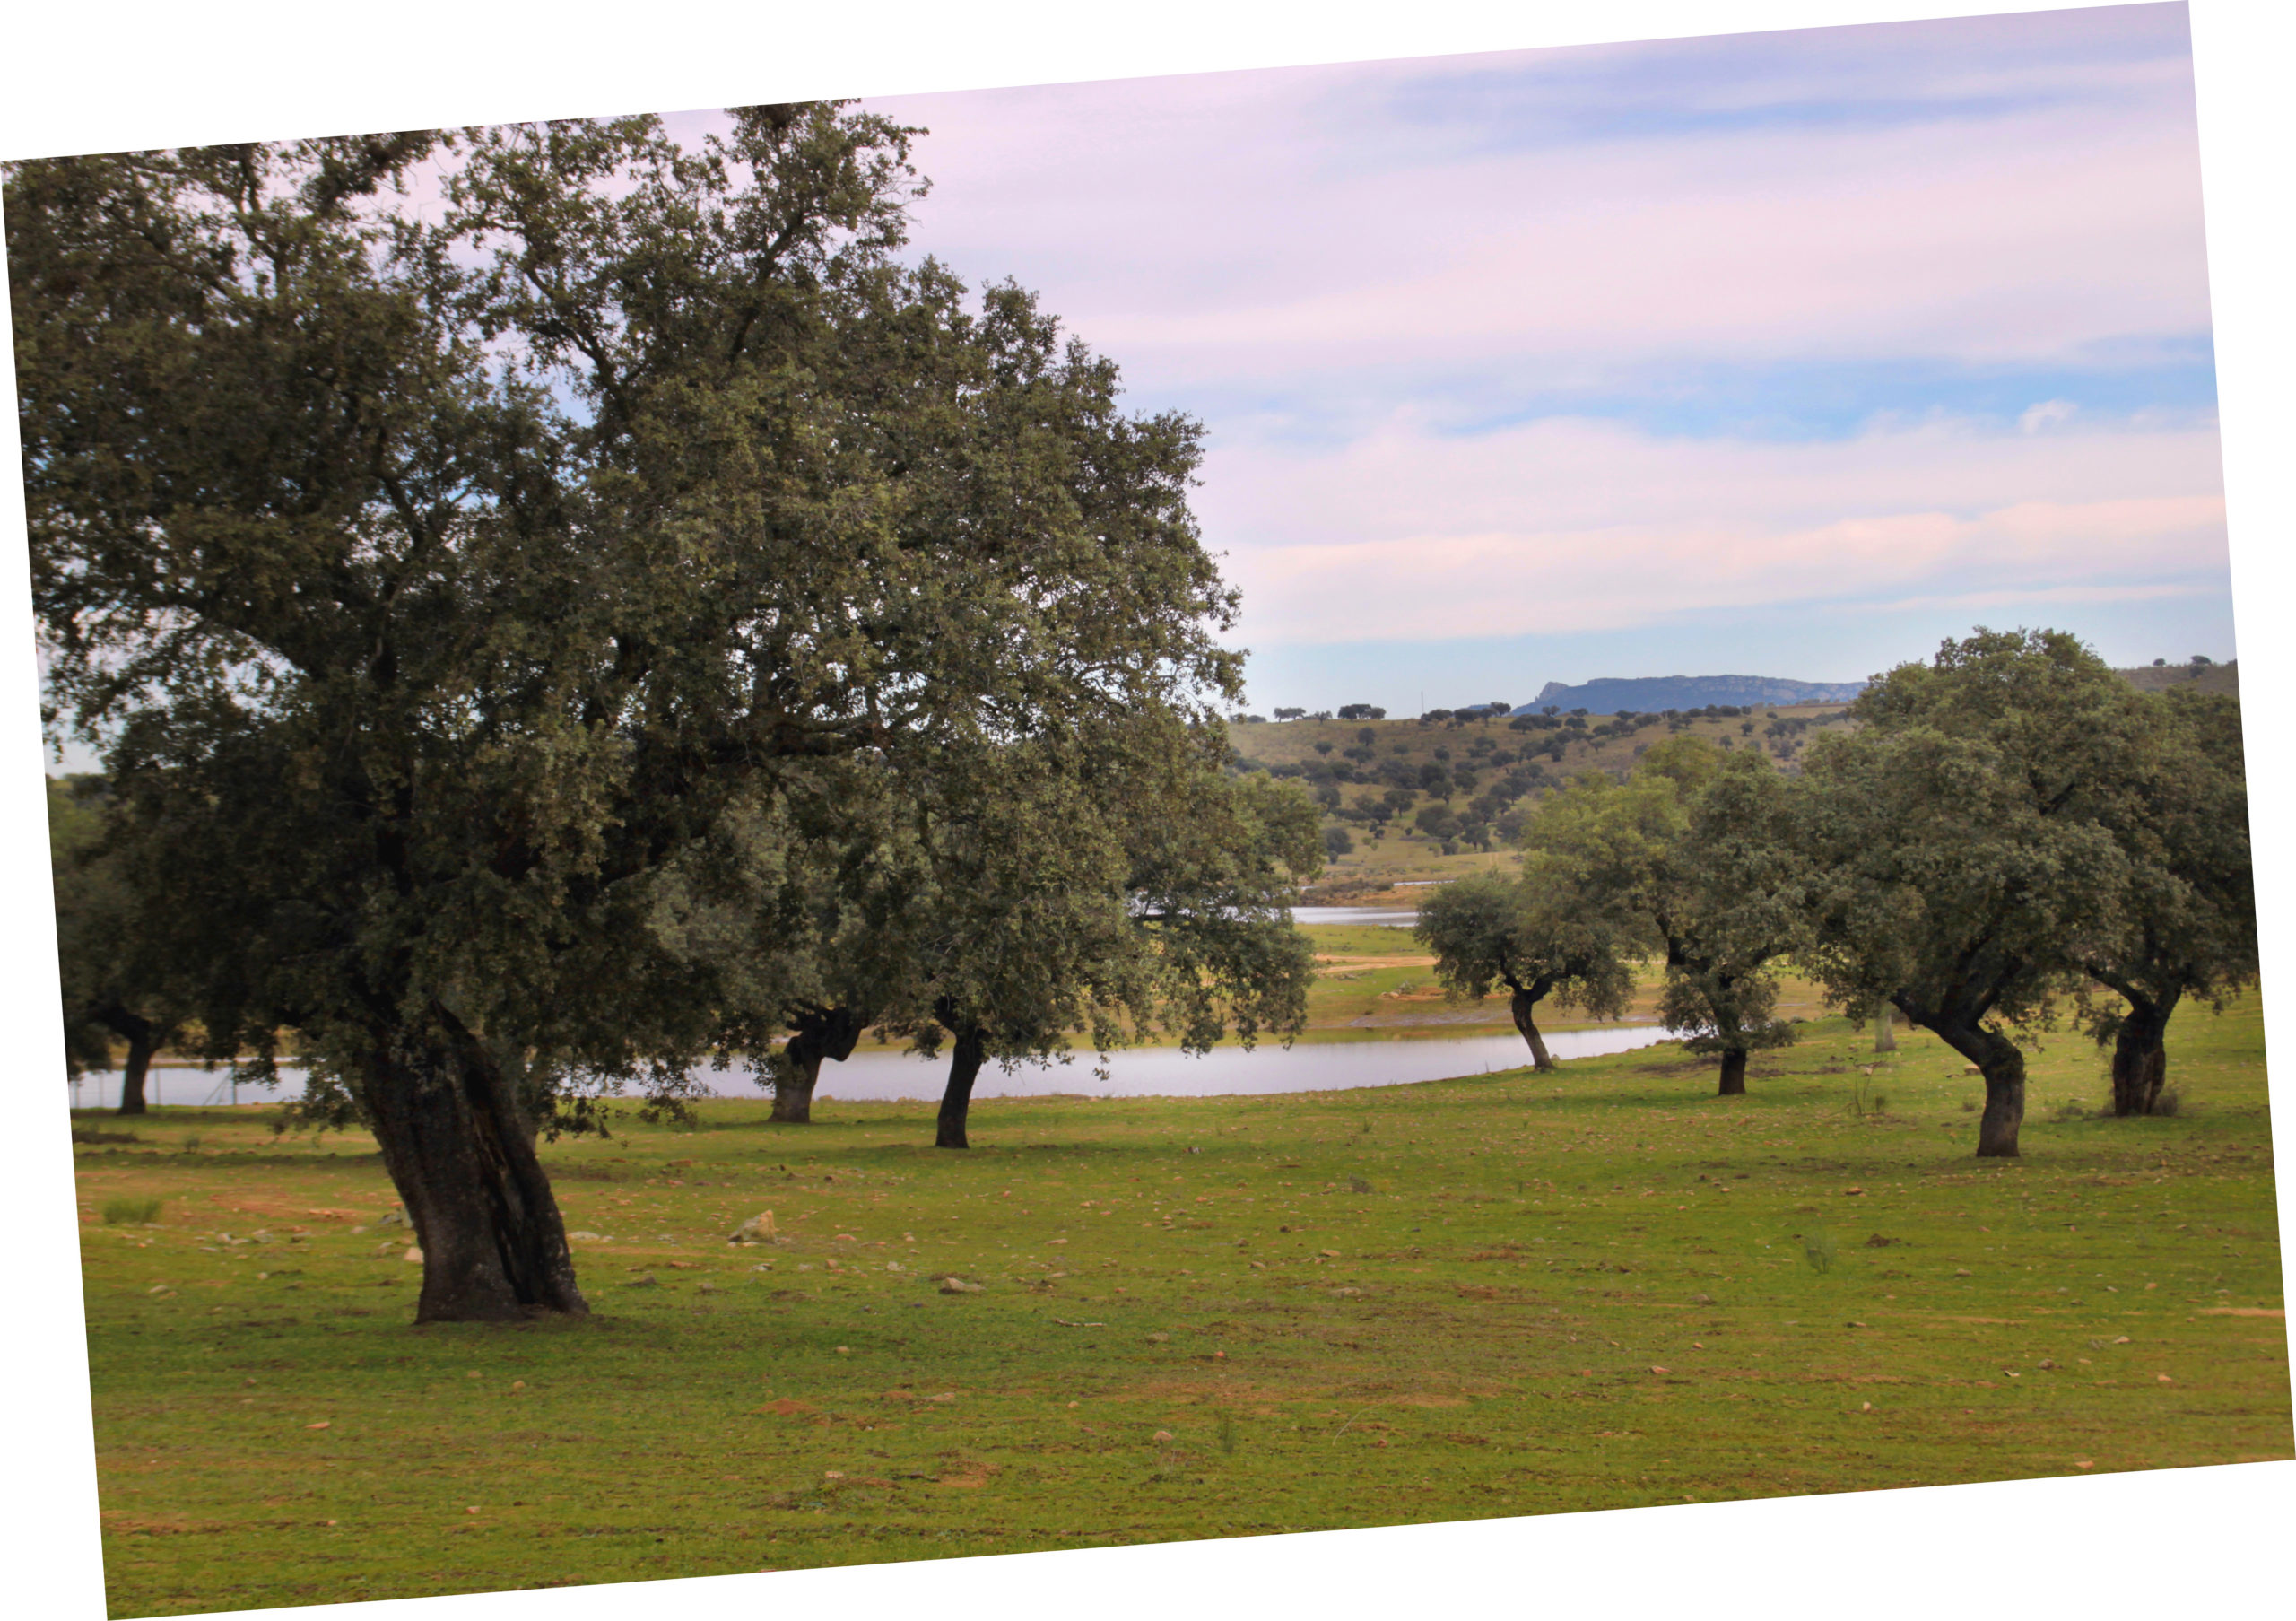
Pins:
x: 458, y: 596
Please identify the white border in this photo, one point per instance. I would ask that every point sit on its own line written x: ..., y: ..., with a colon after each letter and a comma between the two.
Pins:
x: 147, y: 75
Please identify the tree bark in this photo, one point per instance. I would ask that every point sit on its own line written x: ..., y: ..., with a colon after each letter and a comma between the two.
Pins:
x: 2141, y: 1054
x: 1885, y: 1038
x: 818, y: 1034
x: 144, y: 1037
x: 966, y: 1054
x: 1734, y: 1072
x: 140, y: 1049
x: 1522, y: 1004
x: 460, y: 1151
x: 2004, y: 1102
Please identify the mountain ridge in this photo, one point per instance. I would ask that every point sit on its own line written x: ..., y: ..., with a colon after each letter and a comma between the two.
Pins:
x: 1607, y: 695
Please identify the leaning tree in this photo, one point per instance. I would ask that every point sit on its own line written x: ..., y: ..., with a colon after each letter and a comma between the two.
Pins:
x: 1538, y: 934
x: 443, y: 585
x: 1964, y: 837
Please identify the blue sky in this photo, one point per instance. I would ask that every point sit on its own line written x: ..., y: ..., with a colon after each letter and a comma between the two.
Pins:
x: 1783, y: 354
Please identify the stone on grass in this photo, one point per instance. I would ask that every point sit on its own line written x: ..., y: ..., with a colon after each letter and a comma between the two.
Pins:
x: 958, y: 1285
x: 758, y: 1230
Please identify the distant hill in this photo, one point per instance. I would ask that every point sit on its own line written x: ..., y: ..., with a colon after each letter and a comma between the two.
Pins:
x: 1652, y: 694
x: 2200, y: 678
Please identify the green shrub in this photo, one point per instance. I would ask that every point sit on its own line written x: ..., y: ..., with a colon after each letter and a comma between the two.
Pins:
x: 131, y: 1212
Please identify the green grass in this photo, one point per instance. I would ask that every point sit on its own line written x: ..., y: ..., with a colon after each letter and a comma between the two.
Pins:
x: 1597, y: 1290
x: 131, y: 1212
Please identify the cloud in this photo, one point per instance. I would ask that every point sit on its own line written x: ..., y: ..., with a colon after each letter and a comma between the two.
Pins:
x: 2046, y: 415
x: 1564, y: 525
x: 1300, y: 226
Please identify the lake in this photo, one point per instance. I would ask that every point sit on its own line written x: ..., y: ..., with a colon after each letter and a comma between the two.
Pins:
x: 1141, y: 1072
x: 1387, y: 916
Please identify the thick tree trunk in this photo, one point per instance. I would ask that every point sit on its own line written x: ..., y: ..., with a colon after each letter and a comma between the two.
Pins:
x: 1885, y: 1038
x: 967, y: 1052
x: 831, y: 1034
x: 140, y: 1049
x: 2005, y: 1103
x: 461, y: 1153
x: 2141, y: 1055
x: 1523, y: 1004
x: 1734, y: 1072
x: 2004, y: 1068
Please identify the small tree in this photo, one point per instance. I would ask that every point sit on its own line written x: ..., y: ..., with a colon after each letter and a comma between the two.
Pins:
x: 1539, y: 936
x: 1702, y: 851
x: 114, y: 984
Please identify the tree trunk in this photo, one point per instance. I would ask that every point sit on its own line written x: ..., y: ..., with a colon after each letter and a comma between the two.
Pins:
x: 2004, y: 1102
x: 461, y: 1153
x: 2141, y: 1055
x: 1522, y: 1005
x: 2004, y: 1068
x: 966, y: 1054
x: 825, y: 1033
x: 140, y: 1049
x: 1885, y: 1038
x: 1734, y: 1072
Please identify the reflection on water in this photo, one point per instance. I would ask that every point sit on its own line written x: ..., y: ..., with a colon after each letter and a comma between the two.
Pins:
x: 1387, y: 915
x: 1144, y: 1072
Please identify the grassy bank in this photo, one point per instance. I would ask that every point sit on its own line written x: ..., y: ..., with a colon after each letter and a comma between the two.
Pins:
x: 1197, y: 1318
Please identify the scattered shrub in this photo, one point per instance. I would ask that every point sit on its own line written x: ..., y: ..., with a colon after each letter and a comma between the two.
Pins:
x: 2169, y: 1102
x: 131, y: 1212
x: 91, y: 1134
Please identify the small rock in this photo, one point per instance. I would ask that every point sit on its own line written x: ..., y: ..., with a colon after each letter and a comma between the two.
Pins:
x: 413, y: 1255
x: 832, y: 1474
x: 585, y: 1238
x: 2121, y: 1340
x: 1158, y: 1339
x: 1656, y: 1369
x: 2046, y: 1364
x: 844, y: 1350
x: 159, y: 1289
x: 958, y: 1285
x: 1166, y: 1434
x: 323, y: 1424
x: 1864, y: 1406
x: 473, y: 1509
x: 2164, y: 1379
x: 758, y: 1230
x: 644, y: 1280
x: 1333, y: 1254
x: 517, y: 1384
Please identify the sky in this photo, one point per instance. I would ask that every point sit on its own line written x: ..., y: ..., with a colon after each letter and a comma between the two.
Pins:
x: 1782, y: 354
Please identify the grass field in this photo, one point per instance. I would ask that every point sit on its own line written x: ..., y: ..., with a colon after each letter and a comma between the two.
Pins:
x: 1197, y: 1317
